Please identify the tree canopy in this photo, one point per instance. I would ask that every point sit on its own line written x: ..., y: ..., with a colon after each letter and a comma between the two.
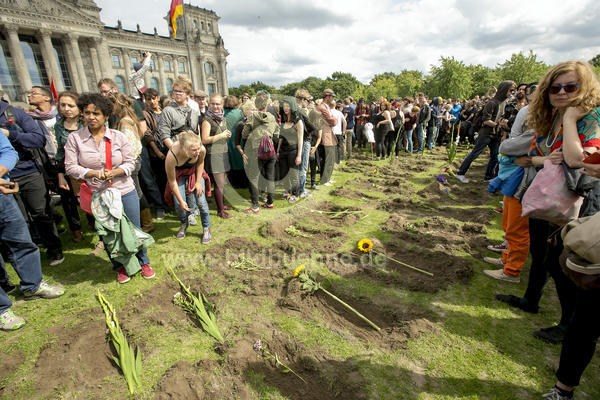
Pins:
x: 449, y: 78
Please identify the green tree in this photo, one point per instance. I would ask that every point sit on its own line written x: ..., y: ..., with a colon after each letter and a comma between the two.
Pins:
x: 409, y: 82
x: 595, y: 61
x: 451, y: 79
x: 290, y: 88
x: 482, y: 79
x: 522, y: 68
x: 258, y: 85
x: 384, y: 85
x: 240, y: 90
x: 314, y: 86
x: 342, y: 83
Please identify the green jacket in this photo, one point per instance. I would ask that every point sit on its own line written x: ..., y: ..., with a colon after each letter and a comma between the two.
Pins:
x: 121, y: 238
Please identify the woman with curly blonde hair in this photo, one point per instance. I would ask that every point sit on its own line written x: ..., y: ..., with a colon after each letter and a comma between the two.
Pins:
x: 565, y: 114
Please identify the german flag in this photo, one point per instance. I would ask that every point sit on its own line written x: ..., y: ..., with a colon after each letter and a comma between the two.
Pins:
x: 176, y: 10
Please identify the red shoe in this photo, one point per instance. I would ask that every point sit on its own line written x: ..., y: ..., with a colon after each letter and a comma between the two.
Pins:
x: 498, y: 210
x: 228, y: 208
x: 224, y: 214
x: 265, y: 205
x: 252, y: 210
x: 147, y: 271
x: 498, y: 248
x: 122, y: 276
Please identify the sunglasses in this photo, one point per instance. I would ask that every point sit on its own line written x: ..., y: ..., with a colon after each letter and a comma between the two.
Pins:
x: 569, y: 88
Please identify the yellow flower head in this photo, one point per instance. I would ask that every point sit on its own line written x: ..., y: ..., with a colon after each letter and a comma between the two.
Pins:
x: 374, y: 171
x: 298, y: 270
x: 365, y: 245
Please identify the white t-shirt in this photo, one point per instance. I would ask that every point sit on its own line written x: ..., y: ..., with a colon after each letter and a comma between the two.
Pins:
x: 337, y: 129
x: 193, y: 105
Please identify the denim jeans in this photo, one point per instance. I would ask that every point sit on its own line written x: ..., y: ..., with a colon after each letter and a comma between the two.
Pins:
x: 131, y: 208
x: 304, y: 166
x: 36, y: 201
x: 480, y: 144
x: 410, y: 141
x: 20, y: 250
x: 193, y: 201
x: 431, y: 134
x: 420, y: 135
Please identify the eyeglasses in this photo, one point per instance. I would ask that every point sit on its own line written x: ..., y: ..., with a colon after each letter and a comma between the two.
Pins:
x: 569, y: 88
x: 34, y: 93
x: 178, y: 92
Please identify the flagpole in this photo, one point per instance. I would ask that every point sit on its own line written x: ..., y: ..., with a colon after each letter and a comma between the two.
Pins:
x: 187, y: 45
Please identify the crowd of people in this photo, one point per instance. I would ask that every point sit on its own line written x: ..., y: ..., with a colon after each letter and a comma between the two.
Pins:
x: 119, y: 158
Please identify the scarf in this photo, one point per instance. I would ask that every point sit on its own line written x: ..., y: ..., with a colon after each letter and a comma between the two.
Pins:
x: 43, y: 115
x: 216, y: 116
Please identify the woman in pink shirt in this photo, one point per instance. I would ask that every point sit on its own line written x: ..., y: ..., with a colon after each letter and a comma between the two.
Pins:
x: 85, y: 158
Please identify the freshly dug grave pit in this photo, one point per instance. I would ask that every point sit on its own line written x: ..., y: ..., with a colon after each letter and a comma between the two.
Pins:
x: 78, y: 363
x: 352, y: 194
x: 204, y: 380
x: 438, y: 233
x: 446, y: 268
x: 398, y: 322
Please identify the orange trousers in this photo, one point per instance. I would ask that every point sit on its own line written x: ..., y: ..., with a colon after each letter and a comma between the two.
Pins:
x: 516, y: 229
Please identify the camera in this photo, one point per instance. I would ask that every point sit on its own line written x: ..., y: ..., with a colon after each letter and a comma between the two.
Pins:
x: 511, y: 111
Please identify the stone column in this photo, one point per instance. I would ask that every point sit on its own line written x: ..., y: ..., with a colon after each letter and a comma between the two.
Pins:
x: 128, y: 69
x: 95, y: 60
x: 104, y: 58
x: 72, y: 65
x: 202, y: 74
x: 224, y: 86
x: 73, y: 41
x: 161, y: 73
x: 16, y: 53
x: 50, y: 60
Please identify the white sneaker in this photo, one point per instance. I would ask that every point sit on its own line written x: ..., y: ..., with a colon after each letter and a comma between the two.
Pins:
x: 500, y: 275
x: 494, y: 261
x: 462, y: 178
x: 192, y: 220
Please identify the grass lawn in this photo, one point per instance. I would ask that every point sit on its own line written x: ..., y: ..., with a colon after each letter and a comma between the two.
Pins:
x: 442, y: 337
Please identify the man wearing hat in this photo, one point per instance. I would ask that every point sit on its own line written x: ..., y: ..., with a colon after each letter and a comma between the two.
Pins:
x: 328, y: 139
x: 199, y: 103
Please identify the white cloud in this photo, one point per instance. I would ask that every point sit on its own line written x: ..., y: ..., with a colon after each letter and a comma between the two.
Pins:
x: 280, y: 42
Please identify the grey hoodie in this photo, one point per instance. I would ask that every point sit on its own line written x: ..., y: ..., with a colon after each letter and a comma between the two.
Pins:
x: 173, y: 119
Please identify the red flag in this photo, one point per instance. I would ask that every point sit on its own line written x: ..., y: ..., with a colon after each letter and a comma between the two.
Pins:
x: 53, y: 90
x: 176, y: 10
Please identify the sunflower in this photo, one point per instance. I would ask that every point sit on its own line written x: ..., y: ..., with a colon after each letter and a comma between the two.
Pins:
x: 365, y: 245
x: 298, y: 270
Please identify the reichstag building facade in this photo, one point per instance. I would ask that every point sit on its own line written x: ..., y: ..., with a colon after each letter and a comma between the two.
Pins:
x: 65, y: 40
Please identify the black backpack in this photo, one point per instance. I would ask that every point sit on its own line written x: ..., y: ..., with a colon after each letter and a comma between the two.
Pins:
x: 47, y: 166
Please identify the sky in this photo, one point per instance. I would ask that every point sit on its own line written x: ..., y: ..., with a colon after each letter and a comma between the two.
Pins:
x: 279, y: 42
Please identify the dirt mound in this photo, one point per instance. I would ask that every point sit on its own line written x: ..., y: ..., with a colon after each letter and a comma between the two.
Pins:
x: 438, y: 192
x: 480, y: 215
x: 156, y: 305
x: 352, y: 194
x: 78, y: 362
x: 205, y: 380
x: 9, y: 363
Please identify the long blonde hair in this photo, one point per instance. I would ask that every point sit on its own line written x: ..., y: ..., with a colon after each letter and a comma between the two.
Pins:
x: 588, y: 96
